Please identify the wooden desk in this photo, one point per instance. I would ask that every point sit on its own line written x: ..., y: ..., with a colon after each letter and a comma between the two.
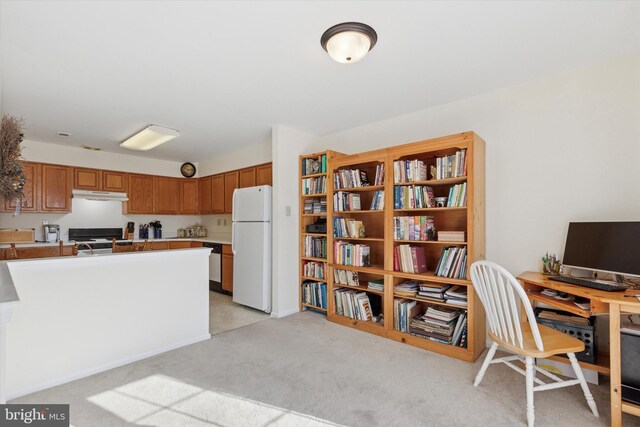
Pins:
x: 613, y: 303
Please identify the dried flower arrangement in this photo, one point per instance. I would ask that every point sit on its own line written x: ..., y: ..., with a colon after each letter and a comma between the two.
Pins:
x: 12, y: 178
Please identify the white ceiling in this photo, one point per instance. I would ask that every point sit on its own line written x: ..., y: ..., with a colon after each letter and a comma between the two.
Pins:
x: 224, y: 72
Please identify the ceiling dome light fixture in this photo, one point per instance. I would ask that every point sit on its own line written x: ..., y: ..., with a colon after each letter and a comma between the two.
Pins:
x: 348, y: 42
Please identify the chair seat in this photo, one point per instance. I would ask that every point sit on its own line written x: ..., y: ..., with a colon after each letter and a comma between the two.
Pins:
x: 555, y: 342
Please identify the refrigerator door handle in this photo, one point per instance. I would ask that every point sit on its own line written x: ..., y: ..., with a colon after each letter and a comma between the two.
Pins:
x: 233, y: 205
x: 233, y: 237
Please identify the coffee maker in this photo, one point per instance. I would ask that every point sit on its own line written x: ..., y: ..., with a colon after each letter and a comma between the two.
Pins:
x: 51, y: 233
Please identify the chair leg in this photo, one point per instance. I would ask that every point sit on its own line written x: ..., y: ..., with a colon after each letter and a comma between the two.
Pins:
x: 485, y: 364
x: 583, y: 384
x: 531, y: 373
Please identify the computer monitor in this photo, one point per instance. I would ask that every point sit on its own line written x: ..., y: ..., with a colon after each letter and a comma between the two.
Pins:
x: 611, y: 247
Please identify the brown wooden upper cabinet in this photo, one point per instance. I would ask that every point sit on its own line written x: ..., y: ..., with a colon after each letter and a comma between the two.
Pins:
x: 114, y: 181
x: 230, y: 184
x: 247, y: 177
x: 217, y: 194
x: 166, y: 195
x: 57, y: 183
x: 204, y: 195
x: 264, y: 175
x: 87, y: 179
x: 30, y: 200
x: 189, y: 196
x: 140, y: 193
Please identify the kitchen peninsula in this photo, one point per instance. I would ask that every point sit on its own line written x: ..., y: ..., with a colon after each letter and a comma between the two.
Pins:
x: 99, y: 312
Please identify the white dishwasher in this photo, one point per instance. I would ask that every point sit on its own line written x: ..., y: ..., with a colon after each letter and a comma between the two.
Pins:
x: 215, y: 266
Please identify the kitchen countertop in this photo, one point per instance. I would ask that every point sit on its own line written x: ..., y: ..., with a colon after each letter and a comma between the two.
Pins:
x: 222, y: 238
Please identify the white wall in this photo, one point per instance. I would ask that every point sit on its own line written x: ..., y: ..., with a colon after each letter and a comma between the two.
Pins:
x: 247, y: 156
x: 73, y: 156
x: 559, y: 149
x: 95, y: 214
x: 288, y: 144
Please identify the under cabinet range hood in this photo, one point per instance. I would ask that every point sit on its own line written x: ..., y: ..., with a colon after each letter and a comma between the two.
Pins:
x: 100, y: 195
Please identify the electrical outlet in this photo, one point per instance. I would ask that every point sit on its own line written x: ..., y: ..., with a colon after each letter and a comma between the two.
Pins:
x: 219, y: 221
x: 45, y: 222
x: 225, y: 221
x: 287, y: 210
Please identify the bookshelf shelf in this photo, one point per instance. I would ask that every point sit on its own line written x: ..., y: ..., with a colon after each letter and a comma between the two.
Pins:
x: 365, y: 188
x: 426, y: 301
x: 308, y: 258
x: 375, y: 269
x: 429, y: 242
x: 461, y: 154
x: 313, y: 175
x: 432, y: 182
x: 313, y: 195
x: 313, y: 215
x: 462, y: 208
x: 315, y: 279
x: 363, y: 211
x: 361, y: 288
x: 363, y: 239
x: 314, y: 307
x: 315, y: 234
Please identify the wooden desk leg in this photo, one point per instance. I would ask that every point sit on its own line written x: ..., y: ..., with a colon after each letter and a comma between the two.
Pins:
x: 616, y: 380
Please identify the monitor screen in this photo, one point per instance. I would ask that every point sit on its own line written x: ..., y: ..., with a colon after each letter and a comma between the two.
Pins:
x: 604, y: 246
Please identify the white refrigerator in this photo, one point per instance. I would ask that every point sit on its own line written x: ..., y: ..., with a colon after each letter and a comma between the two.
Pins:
x: 251, y: 246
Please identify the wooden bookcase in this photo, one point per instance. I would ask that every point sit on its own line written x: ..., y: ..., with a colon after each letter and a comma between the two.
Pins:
x: 379, y: 226
x: 311, y: 218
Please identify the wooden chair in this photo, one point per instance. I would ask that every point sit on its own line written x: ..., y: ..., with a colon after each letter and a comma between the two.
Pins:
x: 502, y: 296
x: 115, y: 247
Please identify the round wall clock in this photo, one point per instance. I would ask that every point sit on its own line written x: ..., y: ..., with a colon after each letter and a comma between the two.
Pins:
x: 188, y: 170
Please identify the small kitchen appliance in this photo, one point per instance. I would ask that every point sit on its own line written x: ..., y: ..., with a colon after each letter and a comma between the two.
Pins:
x: 51, y: 233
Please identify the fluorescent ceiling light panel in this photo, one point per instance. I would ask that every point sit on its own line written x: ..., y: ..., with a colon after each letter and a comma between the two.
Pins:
x: 150, y: 138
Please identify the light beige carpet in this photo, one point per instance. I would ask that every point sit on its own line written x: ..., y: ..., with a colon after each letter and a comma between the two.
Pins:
x: 302, y: 371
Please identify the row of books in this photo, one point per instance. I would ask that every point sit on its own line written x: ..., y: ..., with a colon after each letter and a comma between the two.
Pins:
x: 408, y: 288
x: 311, y: 166
x: 377, y: 202
x: 315, y: 206
x: 403, y: 311
x: 314, y: 185
x: 353, y: 304
x: 346, y: 277
x: 350, y: 178
x: 451, y: 236
x: 347, y: 253
x: 457, y: 196
x: 441, y: 324
x: 345, y: 201
x: 409, y: 171
x: 347, y: 227
x: 413, y: 197
x: 452, y: 166
x: 453, y: 262
x: 314, y: 269
x: 379, y: 175
x: 414, y: 228
x: 315, y: 247
x: 376, y: 285
x: 314, y: 293
x: 409, y: 259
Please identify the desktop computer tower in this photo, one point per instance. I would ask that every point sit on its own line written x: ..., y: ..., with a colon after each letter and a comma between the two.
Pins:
x: 630, y: 357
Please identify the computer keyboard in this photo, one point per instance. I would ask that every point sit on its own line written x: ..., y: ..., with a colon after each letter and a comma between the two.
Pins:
x: 600, y: 285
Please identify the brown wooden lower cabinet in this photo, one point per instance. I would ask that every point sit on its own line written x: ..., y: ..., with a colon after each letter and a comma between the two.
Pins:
x: 180, y: 245
x: 227, y: 268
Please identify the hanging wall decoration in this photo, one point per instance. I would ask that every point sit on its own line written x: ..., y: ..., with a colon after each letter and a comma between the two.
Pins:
x: 12, y: 179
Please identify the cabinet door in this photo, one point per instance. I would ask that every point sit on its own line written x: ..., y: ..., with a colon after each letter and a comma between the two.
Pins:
x: 189, y: 196
x: 57, y: 182
x: 166, y: 195
x: 247, y: 178
x: 217, y: 194
x: 87, y: 179
x: 230, y: 184
x: 30, y: 190
x: 264, y: 175
x: 227, y: 270
x: 114, y: 181
x: 140, y: 192
x: 204, y: 195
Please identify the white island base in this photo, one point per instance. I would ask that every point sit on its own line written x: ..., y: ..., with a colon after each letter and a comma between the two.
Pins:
x: 81, y: 315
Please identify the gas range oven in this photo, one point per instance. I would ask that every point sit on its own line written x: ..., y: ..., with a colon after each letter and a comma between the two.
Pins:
x: 98, y: 239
